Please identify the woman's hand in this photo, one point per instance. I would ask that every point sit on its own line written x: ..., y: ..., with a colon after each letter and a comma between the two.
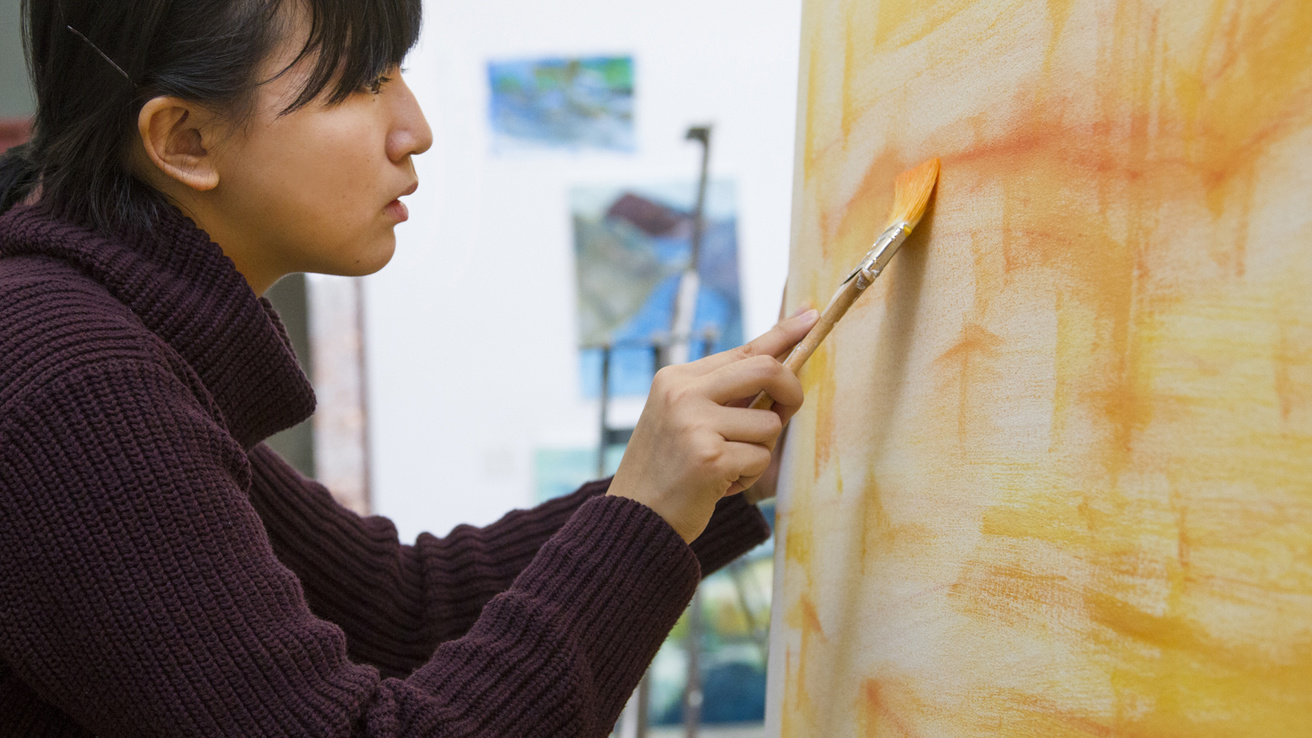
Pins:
x: 767, y: 486
x: 697, y: 441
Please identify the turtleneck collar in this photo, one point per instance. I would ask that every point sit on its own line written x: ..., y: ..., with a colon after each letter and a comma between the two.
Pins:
x: 191, y: 295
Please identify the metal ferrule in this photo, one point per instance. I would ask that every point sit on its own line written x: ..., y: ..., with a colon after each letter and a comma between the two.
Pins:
x: 879, y: 255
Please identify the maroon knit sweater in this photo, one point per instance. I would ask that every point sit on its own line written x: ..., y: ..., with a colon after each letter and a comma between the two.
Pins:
x: 162, y: 573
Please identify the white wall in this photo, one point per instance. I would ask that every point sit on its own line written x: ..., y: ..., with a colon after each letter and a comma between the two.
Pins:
x: 471, y: 331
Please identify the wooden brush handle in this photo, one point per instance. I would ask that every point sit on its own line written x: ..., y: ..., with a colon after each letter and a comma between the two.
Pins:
x: 836, y: 309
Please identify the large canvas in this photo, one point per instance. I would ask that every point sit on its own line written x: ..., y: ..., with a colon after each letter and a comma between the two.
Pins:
x: 1054, y: 474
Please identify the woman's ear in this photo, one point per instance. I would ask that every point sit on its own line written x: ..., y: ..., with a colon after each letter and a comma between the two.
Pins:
x: 179, y: 139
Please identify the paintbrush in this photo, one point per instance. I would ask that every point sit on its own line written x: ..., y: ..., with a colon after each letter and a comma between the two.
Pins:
x: 910, y: 196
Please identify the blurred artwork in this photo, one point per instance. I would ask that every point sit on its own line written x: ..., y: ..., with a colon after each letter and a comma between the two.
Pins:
x: 560, y: 103
x: 1053, y: 476
x: 735, y: 611
x: 631, y: 244
x: 558, y: 471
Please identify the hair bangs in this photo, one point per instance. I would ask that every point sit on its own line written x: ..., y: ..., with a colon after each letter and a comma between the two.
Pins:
x: 353, y: 43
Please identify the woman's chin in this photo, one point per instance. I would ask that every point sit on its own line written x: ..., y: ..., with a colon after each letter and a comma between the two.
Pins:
x: 367, y: 262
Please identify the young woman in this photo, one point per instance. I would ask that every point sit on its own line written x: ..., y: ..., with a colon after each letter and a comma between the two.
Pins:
x: 164, y: 573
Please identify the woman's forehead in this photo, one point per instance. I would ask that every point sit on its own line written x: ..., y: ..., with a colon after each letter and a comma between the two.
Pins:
x: 331, y: 47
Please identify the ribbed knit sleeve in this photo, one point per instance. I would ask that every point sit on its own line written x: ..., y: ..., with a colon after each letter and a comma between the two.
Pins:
x: 397, y: 603
x: 140, y: 594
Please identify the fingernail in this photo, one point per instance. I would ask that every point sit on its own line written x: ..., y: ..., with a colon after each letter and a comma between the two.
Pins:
x: 811, y: 315
x: 798, y: 312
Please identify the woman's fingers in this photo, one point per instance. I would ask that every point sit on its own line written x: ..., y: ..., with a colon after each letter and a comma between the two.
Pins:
x: 743, y: 425
x: 784, y: 334
x: 746, y: 461
x: 747, y: 377
x: 778, y: 340
x: 691, y: 447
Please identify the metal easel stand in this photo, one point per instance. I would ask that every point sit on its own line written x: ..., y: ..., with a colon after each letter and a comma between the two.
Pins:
x: 675, y: 349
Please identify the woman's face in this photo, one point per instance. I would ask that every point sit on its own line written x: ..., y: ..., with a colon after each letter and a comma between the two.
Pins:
x: 315, y: 190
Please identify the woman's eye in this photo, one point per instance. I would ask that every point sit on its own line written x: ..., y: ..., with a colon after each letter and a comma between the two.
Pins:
x: 375, y: 86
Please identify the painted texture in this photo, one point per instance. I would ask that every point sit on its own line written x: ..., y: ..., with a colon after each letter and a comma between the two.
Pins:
x: 1054, y: 474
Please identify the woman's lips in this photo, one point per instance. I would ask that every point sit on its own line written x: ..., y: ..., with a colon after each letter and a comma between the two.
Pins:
x: 397, y: 209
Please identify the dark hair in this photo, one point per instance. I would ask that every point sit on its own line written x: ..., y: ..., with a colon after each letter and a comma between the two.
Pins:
x: 94, y: 64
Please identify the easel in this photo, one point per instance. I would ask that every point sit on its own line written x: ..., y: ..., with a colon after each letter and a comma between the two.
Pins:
x: 674, y: 349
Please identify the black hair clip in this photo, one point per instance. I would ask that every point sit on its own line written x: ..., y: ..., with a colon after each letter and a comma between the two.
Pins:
x: 103, y: 55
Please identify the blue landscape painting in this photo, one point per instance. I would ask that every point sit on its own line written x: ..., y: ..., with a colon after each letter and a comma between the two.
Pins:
x: 631, y: 246
x: 561, y: 103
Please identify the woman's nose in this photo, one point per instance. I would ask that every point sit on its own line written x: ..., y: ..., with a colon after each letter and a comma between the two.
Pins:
x: 410, y: 133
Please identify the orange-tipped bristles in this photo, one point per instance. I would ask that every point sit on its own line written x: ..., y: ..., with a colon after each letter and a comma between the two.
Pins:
x: 910, y: 197
x: 911, y: 193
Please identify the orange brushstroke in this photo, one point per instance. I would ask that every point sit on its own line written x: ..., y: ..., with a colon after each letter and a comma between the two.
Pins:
x: 878, y: 709
x: 803, y: 617
x: 968, y: 360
